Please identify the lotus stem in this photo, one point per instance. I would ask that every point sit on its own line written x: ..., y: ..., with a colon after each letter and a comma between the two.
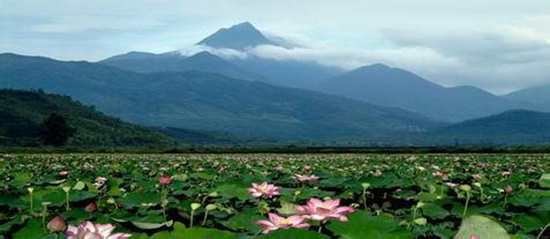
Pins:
x: 162, y: 202
x: 321, y: 226
x: 191, y: 221
x: 466, y: 206
x: 365, y: 198
x: 505, y: 199
x: 67, y: 206
x: 542, y: 231
x: 32, y: 203
x: 205, y: 217
x: 44, y: 213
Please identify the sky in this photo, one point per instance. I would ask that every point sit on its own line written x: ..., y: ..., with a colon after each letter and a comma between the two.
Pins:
x: 497, y: 45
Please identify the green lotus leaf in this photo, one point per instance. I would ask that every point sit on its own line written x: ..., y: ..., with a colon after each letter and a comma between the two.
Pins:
x: 482, y: 227
x: 362, y: 225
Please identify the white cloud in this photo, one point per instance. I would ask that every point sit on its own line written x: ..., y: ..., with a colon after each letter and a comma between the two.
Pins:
x: 222, y: 52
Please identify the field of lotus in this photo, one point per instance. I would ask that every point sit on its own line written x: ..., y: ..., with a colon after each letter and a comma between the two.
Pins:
x: 274, y: 196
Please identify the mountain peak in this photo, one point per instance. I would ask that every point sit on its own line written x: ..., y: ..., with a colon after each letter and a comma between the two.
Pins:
x: 238, y: 37
x: 245, y: 25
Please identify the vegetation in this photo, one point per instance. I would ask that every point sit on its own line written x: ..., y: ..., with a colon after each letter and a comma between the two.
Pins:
x: 55, y: 130
x: 27, y: 117
x: 351, y: 196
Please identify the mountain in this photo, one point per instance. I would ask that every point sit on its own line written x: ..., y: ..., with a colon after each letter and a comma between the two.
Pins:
x: 508, y: 128
x: 143, y: 62
x: 244, y: 36
x: 383, y: 85
x: 208, y: 101
x: 238, y: 37
x: 535, y: 95
x: 21, y: 112
x: 241, y: 37
x: 296, y: 74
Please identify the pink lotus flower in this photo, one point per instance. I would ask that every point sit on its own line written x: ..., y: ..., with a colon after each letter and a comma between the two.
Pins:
x: 303, y: 178
x: 279, y: 168
x: 64, y: 173
x: 308, y: 167
x: 90, y: 207
x: 264, y: 189
x: 165, y: 180
x: 276, y: 222
x: 319, y: 211
x: 88, y: 230
x: 474, y: 237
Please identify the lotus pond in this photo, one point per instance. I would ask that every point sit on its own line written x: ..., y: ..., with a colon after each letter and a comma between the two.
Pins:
x: 231, y: 196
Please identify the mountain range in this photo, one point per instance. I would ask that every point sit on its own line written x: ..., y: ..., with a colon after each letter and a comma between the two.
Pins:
x: 259, y: 97
x: 209, y: 101
x: 376, y: 84
x: 387, y: 86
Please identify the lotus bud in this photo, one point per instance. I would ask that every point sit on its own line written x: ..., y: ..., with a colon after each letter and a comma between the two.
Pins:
x: 365, y: 185
x: 195, y: 206
x: 509, y: 189
x: 66, y: 189
x: 420, y: 204
x: 111, y: 201
x: 91, y: 207
x: 477, y: 184
x: 30, y: 189
x: 57, y: 224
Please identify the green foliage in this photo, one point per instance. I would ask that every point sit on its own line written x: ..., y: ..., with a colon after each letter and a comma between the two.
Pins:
x: 482, y: 227
x: 362, y: 225
x: 26, y: 116
x: 402, y: 200
x: 55, y: 130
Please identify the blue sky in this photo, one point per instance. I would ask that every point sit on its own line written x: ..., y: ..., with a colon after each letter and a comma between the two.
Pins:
x: 497, y: 45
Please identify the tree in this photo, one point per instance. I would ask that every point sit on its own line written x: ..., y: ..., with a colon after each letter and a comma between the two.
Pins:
x: 55, y: 130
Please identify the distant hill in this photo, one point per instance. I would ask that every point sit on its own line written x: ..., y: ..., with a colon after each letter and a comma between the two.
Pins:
x: 535, y: 95
x: 143, y: 62
x: 238, y: 37
x: 508, y: 128
x: 211, y: 102
x: 387, y: 86
x: 200, y: 137
x: 296, y: 74
x: 21, y: 112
